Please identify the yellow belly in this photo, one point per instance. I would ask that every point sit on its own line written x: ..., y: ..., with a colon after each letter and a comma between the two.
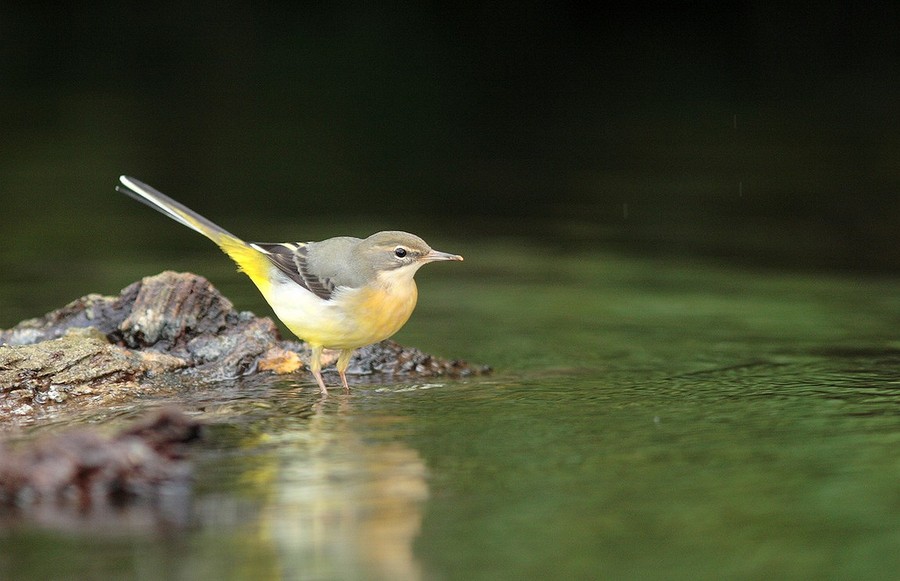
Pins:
x: 355, y: 318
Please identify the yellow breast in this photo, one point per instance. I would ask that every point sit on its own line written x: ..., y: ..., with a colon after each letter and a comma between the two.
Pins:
x: 375, y: 313
x: 350, y: 319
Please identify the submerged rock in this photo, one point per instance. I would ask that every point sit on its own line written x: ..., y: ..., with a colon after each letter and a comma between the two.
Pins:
x: 115, y: 347
x: 82, y: 472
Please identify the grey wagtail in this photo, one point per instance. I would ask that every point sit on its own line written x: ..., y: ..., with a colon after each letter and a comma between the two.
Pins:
x: 341, y: 293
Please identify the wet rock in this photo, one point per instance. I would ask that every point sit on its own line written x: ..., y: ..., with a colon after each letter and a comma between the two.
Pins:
x: 116, y: 347
x: 86, y: 471
x: 81, y: 364
x: 391, y: 358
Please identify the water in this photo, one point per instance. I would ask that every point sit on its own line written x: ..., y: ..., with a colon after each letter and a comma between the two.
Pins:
x: 647, y: 419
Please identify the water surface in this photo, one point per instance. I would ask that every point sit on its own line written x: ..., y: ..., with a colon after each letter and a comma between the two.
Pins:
x: 647, y: 419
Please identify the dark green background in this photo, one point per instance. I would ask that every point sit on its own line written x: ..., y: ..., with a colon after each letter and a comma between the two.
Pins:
x: 735, y: 130
x: 692, y: 412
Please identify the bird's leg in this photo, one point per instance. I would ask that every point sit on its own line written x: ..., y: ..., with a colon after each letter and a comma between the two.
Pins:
x: 315, y: 365
x: 342, y: 363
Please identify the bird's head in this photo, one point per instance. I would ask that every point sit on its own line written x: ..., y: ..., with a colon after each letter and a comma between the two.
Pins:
x: 398, y: 254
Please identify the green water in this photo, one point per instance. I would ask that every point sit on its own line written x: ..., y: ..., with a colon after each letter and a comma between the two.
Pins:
x: 647, y: 418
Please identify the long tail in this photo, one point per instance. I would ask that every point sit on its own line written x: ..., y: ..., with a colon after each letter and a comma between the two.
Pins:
x: 249, y: 260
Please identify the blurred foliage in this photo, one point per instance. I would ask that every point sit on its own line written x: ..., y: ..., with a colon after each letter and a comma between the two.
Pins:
x: 739, y: 130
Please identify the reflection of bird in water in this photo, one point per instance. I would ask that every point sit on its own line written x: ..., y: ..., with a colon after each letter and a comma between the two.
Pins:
x: 337, y: 505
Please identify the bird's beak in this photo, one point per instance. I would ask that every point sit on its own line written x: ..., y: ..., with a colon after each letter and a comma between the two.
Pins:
x: 434, y: 255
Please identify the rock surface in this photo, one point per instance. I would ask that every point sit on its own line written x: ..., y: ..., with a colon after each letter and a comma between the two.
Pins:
x: 99, y: 349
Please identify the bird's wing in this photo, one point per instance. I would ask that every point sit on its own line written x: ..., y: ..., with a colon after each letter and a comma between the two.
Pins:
x: 291, y: 259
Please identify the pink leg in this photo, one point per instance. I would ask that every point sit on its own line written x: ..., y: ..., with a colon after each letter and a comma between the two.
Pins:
x: 315, y: 365
x: 342, y: 363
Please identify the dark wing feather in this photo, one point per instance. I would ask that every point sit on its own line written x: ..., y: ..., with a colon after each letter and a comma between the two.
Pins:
x: 291, y: 260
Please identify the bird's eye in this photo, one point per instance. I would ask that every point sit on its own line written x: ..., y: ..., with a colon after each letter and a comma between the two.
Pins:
x: 400, y: 252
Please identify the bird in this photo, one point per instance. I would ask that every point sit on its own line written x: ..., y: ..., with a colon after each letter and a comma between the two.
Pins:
x: 341, y: 293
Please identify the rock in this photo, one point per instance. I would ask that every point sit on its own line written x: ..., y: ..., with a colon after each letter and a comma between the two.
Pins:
x: 80, y: 363
x: 83, y: 470
x: 111, y: 348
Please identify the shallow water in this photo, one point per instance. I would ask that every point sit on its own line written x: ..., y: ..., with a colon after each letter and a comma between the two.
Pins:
x: 647, y: 419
